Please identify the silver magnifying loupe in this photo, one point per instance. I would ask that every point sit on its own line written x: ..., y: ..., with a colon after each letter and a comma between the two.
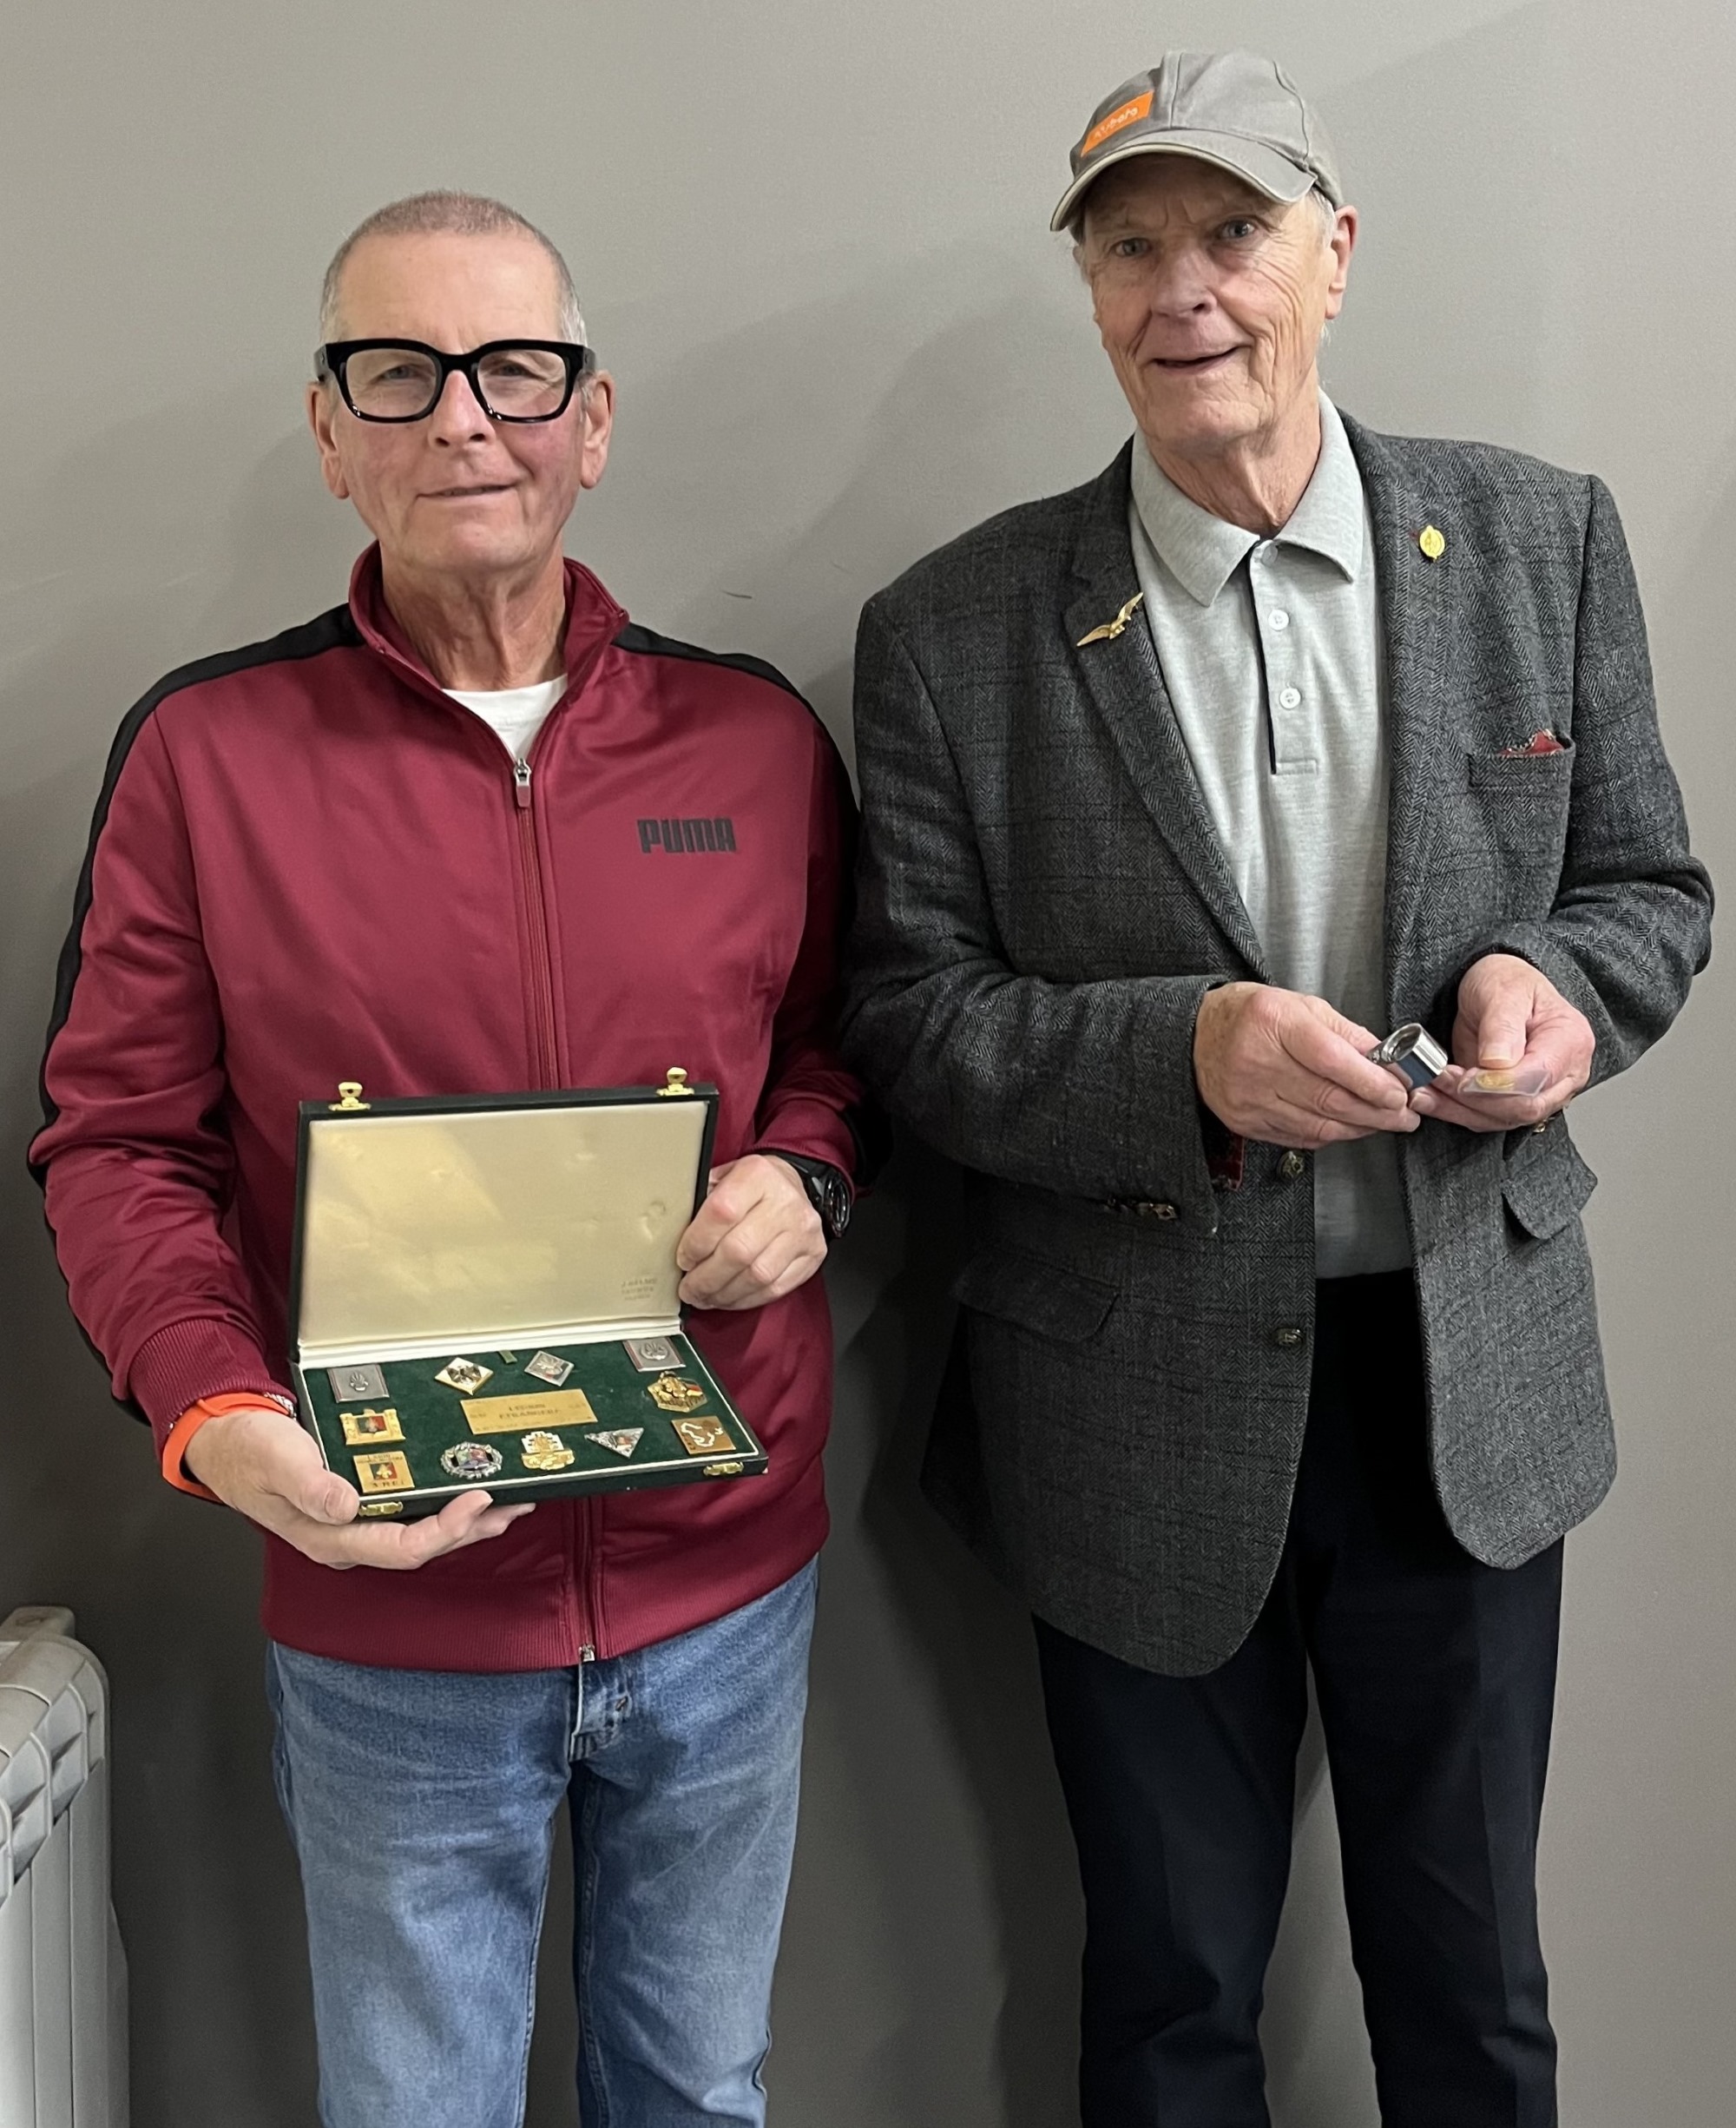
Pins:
x: 1412, y: 1052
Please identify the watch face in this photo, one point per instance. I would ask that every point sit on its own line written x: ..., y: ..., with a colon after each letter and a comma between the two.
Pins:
x: 837, y: 1213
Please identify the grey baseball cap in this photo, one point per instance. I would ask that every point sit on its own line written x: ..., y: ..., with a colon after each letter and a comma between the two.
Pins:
x: 1234, y: 109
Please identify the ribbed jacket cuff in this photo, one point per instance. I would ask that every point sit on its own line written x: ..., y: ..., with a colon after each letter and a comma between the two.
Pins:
x: 201, y: 1356
x: 814, y: 1129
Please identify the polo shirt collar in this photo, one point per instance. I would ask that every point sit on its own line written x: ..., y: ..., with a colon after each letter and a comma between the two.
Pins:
x: 1202, y: 552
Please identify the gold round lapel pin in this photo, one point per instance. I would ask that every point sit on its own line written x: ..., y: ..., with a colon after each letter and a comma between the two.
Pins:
x: 1433, y: 542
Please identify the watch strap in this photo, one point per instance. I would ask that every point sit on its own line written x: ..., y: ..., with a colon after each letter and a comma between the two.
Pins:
x: 828, y: 1188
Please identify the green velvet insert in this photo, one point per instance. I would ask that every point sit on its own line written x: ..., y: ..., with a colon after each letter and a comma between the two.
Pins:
x: 432, y: 1419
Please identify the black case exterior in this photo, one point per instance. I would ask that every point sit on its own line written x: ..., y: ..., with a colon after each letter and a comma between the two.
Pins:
x: 430, y: 1417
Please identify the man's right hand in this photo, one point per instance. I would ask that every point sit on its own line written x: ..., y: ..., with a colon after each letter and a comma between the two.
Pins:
x: 1275, y: 1065
x: 258, y: 1461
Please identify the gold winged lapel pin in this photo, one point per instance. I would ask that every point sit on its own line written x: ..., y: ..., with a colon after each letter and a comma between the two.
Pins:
x: 1107, y: 631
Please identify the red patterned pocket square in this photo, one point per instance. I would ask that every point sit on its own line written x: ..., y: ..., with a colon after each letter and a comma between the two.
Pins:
x: 1544, y: 741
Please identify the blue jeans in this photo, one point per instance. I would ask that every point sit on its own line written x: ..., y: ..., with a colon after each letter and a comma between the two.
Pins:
x: 422, y: 1805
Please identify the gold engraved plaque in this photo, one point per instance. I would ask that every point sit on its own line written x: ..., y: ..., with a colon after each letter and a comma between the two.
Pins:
x: 383, y: 1473
x: 521, y: 1414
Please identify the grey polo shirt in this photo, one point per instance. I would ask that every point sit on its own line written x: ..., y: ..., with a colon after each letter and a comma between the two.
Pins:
x: 1272, y: 652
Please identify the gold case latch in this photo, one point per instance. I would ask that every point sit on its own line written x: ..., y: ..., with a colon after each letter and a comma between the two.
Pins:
x: 677, y: 1084
x: 349, y: 1101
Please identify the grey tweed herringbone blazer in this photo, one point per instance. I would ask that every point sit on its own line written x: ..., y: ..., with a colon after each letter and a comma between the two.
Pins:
x: 1043, y: 902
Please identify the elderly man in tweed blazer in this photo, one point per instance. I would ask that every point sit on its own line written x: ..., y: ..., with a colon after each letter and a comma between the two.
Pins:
x: 1181, y: 790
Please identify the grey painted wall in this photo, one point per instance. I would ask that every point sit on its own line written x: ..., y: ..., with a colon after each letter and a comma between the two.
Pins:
x: 812, y: 241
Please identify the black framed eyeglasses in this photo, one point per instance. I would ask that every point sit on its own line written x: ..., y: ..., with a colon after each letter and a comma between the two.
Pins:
x: 402, y: 380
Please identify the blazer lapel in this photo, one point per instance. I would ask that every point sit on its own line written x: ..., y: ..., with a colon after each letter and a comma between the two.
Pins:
x: 1120, y: 674
x: 1416, y: 587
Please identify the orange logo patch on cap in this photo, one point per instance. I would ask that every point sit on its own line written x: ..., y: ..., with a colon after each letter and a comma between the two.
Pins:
x: 1128, y: 113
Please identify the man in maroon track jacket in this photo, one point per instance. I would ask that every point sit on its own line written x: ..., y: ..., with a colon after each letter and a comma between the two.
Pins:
x: 475, y: 832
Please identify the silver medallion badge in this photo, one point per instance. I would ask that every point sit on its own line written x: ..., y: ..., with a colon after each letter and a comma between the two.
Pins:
x: 547, y: 1366
x: 471, y: 1461
x: 351, y: 1384
x: 652, y: 1355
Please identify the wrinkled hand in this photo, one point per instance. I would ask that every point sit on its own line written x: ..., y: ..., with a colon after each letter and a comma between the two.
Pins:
x: 1510, y: 1015
x: 754, y: 1239
x: 258, y: 1461
x: 1289, y: 1070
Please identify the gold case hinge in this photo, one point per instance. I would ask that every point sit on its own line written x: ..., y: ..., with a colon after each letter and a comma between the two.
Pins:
x: 349, y: 1099
x: 677, y: 1084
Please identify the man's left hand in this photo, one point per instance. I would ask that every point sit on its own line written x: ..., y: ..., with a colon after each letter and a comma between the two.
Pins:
x: 1510, y: 1018
x: 754, y: 1239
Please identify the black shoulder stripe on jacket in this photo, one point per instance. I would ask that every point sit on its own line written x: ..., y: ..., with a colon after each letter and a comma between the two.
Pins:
x: 332, y: 631
x: 646, y: 640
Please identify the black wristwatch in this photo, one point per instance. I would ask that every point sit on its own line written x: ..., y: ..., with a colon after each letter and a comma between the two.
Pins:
x: 828, y: 1188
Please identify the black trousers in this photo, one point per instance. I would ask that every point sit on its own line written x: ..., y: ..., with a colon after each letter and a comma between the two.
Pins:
x: 1436, y: 1681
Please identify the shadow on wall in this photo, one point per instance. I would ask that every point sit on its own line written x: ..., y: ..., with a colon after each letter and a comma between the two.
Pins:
x: 1451, y: 329
x: 928, y: 1720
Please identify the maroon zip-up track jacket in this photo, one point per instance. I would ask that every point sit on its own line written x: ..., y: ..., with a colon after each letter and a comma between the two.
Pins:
x: 309, y: 864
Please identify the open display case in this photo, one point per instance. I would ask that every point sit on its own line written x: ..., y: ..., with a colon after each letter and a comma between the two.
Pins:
x: 485, y: 1294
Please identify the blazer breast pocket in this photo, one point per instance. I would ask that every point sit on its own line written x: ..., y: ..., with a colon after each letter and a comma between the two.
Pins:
x: 1516, y: 826
x: 1524, y: 779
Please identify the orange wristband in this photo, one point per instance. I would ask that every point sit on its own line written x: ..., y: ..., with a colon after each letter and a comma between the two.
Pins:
x: 181, y: 1433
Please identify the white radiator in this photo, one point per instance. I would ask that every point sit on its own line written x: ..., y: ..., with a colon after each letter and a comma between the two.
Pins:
x: 62, y: 1974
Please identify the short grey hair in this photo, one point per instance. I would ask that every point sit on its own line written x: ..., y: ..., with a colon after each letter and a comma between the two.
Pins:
x: 449, y: 213
x: 1324, y: 207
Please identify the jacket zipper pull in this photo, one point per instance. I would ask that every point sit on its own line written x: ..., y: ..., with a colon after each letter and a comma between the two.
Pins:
x: 520, y: 782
